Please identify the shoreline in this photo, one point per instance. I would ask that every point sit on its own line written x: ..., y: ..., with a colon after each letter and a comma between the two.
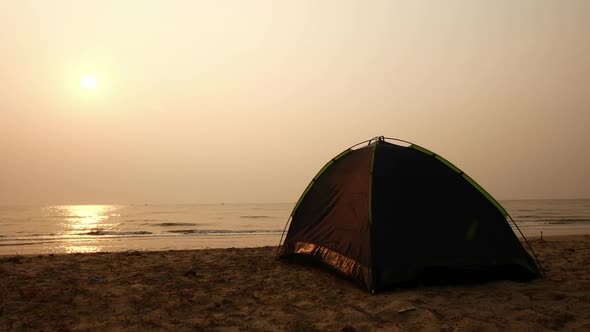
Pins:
x: 52, y: 254
x: 247, y: 289
x: 531, y: 232
x: 192, y: 242
x: 123, y: 244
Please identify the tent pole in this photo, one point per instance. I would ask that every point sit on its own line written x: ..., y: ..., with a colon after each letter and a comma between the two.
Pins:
x: 282, y: 235
x: 528, y: 244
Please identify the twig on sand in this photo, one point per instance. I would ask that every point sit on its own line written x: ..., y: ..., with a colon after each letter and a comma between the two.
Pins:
x: 408, y: 309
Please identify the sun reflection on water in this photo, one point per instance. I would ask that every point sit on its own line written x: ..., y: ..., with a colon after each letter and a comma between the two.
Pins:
x: 86, y: 217
x: 81, y: 224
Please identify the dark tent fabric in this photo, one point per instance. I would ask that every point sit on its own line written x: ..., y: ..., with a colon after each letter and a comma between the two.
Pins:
x: 388, y: 214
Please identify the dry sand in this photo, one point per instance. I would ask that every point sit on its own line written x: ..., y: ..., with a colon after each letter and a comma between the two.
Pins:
x: 246, y: 289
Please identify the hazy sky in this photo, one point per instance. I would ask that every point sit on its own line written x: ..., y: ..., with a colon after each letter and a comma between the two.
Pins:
x: 244, y: 101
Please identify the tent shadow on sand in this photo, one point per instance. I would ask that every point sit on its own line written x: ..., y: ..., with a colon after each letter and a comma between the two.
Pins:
x: 390, y: 215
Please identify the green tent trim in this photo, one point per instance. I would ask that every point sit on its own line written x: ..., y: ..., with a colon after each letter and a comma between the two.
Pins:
x: 465, y: 176
x: 322, y: 170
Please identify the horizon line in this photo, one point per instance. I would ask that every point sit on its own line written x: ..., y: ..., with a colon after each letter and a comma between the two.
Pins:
x: 247, y: 203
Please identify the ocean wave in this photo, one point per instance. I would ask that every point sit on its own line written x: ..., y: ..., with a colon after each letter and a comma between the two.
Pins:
x: 555, y: 221
x: 222, y: 231
x: 186, y: 231
x: 566, y: 221
x: 103, y: 232
x: 255, y: 217
x: 20, y: 244
x: 173, y: 224
x: 550, y: 215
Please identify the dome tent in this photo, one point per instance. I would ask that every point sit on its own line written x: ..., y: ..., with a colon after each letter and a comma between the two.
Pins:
x: 385, y: 214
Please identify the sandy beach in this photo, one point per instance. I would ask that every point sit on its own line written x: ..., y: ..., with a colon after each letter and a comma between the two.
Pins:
x: 246, y: 289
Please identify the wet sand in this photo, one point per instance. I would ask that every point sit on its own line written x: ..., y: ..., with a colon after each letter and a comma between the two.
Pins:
x: 246, y: 289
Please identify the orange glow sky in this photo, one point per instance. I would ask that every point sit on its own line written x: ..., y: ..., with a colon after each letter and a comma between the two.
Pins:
x: 244, y: 101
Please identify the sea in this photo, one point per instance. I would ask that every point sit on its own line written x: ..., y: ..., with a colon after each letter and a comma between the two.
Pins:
x: 26, y: 230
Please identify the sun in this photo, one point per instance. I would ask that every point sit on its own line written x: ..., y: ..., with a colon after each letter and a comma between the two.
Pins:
x: 89, y: 82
